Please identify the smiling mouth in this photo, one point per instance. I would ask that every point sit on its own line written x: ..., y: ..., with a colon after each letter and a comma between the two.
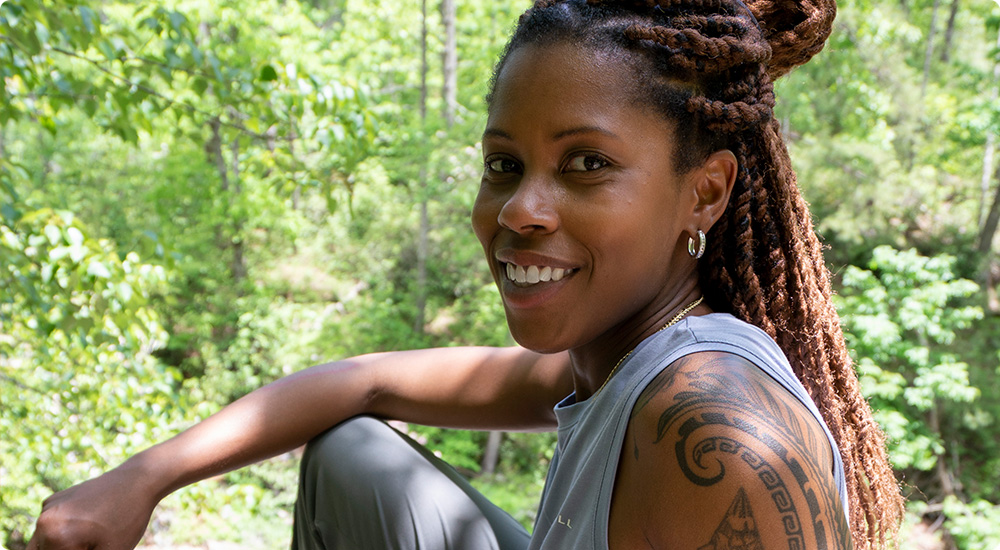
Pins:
x: 534, y: 274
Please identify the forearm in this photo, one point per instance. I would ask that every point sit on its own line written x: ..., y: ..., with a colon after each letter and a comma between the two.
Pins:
x: 484, y: 388
x: 269, y: 421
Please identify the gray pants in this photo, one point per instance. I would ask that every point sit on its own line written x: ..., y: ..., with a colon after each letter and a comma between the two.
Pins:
x: 365, y: 486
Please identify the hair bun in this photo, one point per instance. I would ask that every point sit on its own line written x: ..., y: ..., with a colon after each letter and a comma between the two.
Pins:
x: 796, y: 30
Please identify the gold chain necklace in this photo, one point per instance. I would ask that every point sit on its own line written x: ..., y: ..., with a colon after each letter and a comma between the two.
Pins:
x: 680, y: 315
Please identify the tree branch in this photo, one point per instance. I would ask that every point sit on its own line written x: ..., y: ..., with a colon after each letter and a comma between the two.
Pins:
x: 155, y: 93
x: 20, y: 384
x: 192, y: 72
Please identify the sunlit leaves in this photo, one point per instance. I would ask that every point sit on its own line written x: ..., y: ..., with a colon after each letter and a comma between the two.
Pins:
x: 901, y: 317
x: 76, y: 334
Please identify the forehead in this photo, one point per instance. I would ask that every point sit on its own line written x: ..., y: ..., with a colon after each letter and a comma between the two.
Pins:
x: 566, y: 80
x: 563, y: 62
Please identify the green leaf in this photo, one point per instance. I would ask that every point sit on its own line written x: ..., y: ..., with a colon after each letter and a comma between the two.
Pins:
x: 98, y: 269
x: 74, y: 236
x: 53, y: 234
x: 151, y: 23
x: 90, y: 21
x: 47, y: 271
x: 177, y: 20
x: 42, y: 32
x: 48, y: 123
x: 90, y: 107
x: 199, y: 85
x: 107, y: 49
x: 76, y: 253
x: 9, y: 212
x: 62, y: 84
x: 268, y: 74
x: 58, y: 253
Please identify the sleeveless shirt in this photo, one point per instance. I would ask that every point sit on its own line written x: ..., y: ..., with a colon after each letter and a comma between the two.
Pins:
x: 576, y: 501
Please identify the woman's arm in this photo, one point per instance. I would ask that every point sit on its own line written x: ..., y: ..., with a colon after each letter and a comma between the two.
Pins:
x: 508, y: 388
x: 718, y: 452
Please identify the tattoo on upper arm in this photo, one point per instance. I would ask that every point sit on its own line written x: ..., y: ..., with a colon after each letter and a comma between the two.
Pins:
x: 704, y: 399
x: 738, y: 530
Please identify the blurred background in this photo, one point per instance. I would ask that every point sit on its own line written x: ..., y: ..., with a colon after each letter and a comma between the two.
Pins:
x: 200, y: 196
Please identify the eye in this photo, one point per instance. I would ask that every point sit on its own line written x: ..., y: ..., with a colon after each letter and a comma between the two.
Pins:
x: 502, y: 165
x: 586, y: 162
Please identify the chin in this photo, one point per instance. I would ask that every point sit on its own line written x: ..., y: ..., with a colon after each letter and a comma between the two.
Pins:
x: 536, y: 339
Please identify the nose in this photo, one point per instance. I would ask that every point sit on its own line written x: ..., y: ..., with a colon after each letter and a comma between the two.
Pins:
x: 530, y: 208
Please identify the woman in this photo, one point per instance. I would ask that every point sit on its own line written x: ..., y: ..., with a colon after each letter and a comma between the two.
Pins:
x: 641, y: 219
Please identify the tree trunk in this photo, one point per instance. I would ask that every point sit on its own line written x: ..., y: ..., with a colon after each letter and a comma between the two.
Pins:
x: 239, y: 267
x: 419, y: 318
x: 944, y: 476
x: 234, y: 242
x: 929, y: 52
x: 292, y: 136
x: 423, y: 60
x: 989, y: 229
x: 989, y: 225
x: 491, y: 455
x: 450, y: 64
x: 984, y: 180
x: 449, y: 92
x: 213, y: 149
x: 422, y: 252
x: 985, y: 250
x: 949, y: 32
x: 46, y: 159
x: 991, y: 138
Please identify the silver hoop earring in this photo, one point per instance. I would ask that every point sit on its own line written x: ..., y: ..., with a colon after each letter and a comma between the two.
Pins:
x: 700, y: 251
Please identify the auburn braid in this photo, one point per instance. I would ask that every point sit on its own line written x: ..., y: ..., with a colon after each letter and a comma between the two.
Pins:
x: 709, y: 65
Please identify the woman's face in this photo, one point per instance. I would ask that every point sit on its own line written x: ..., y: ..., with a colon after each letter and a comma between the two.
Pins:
x: 580, y: 212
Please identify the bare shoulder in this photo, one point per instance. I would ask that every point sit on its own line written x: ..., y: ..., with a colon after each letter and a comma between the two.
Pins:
x: 717, y: 456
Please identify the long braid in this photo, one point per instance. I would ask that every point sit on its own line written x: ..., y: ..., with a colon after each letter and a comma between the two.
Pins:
x: 709, y: 65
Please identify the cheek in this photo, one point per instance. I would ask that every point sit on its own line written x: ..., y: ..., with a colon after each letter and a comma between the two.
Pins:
x: 484, y: 218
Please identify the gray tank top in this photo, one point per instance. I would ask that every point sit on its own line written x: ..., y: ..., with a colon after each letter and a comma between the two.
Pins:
x: 576, y: 501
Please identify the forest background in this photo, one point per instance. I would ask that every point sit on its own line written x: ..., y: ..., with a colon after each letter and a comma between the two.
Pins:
x: 198, y: 197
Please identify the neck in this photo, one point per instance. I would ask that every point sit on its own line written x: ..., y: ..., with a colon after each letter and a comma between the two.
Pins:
x: 594, y: 362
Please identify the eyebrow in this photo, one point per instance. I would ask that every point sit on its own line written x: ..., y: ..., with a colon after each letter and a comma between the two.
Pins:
x: 496, y: 132
x: 584, y: 130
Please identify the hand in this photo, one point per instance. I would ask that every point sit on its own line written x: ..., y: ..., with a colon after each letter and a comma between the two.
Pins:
x: 109, y: 512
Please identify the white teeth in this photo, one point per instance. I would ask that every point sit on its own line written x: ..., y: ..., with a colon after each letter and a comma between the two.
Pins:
x: 533, y: 274
x: 519, y: 275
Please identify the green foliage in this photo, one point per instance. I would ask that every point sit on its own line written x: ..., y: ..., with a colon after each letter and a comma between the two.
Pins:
x: 79, y: 385
x: 460, y: 448
x: 904, y: 317
x: 198, y: 197
x: 517, y: 494
x: 229, y: 145
x: 901, y: 317
x: 973, y: 524
x: 867, y: 136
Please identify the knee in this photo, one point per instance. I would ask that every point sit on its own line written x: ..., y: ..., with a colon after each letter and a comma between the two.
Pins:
x: 346, y: 451
x: 349, y: 435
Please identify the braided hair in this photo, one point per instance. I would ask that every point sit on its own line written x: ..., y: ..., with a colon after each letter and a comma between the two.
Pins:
x: 709, y: 66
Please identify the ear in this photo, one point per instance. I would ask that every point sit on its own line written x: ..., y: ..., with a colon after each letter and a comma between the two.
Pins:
x: 712, y: 186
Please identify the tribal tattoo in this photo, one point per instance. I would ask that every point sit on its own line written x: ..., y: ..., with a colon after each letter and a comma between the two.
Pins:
x: 767, y: 435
